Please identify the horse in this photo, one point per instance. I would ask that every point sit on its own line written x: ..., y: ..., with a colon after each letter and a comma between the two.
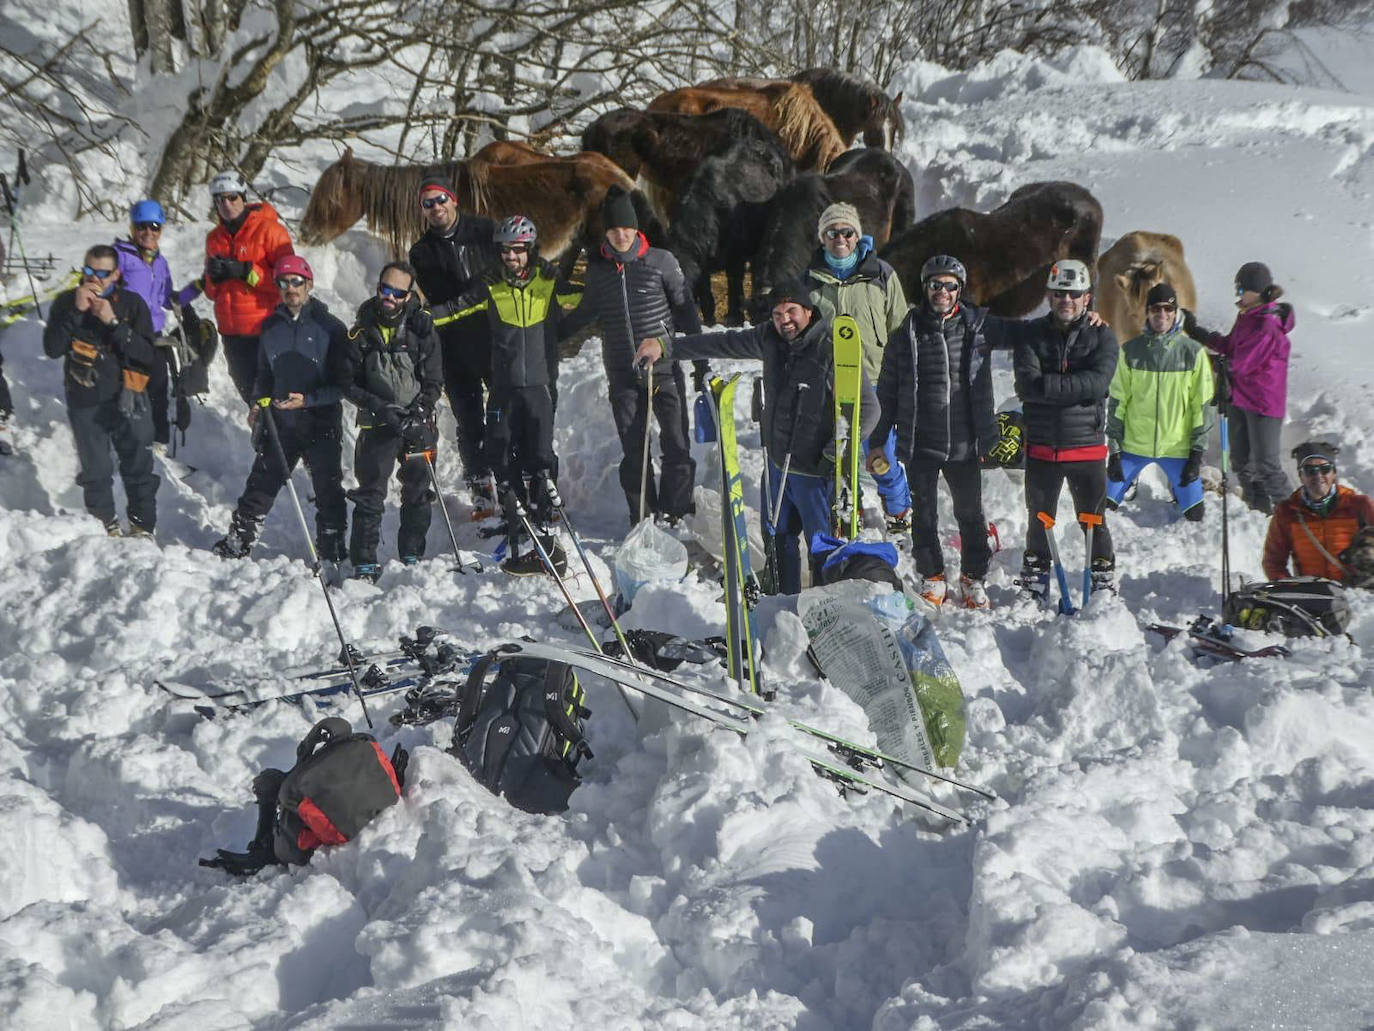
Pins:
x: 854, y: 106
x: 663, y: 149
x: 788, y: 108
x: 510, y: 152
x: 1127, y: 270
x: 1008, y: 251
x: 719, y: 220
x: 871, y: 179
x: 562, y: 196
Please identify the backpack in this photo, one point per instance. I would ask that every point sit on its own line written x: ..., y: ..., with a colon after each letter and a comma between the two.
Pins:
x: 521, y: 734
x: 1305, y: 606
x: 341, y: 780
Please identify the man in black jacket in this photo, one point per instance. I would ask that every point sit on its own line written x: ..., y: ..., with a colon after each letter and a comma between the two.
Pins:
x: 390, y: 368
x: 105, y: 335
x: 796, y: 349
x: 1064, y: 367
x: 449, y: 260
x: 294, y: 363
x: 635, y: 292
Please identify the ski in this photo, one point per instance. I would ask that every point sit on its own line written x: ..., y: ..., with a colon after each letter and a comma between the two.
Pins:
x: 737, y: 526
x: 848, y: 357
x: 1209, y: 638
x: 849, y: 779
x: 341, y: 691
x: 734, y: 630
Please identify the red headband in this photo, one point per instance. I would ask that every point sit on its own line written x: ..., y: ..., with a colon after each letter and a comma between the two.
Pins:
x: 435, y: 187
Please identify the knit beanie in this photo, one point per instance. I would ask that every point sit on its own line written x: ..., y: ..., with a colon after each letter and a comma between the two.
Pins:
x: 1161, y: 293
x: 839, y: 214
x: 438, y: 183
x: 618, y: 210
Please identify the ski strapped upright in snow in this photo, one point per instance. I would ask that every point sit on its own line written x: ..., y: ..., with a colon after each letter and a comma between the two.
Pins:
x: 848, y: 357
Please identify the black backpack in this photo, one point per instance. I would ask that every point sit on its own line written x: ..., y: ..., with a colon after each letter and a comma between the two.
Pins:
x: 521, y: 734
x: 1305, y: 606
x: 340, y: 782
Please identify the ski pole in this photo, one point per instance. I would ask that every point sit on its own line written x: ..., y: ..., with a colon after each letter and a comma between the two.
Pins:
x: 1047, y: 521
x: 1089, y: 521
x: 596, y: 583
x: 438, y: 493
x: 1223, y: 409
x: 545, y: 558
x: 787, y: 458
x: 265, y: 404
x: 644, y: 453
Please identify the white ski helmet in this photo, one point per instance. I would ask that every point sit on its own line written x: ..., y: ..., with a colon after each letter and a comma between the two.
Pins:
x: 1069, y: 274
x: 228, y: 182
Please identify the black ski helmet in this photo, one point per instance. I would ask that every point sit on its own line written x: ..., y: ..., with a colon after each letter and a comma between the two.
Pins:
x: 944, y: 265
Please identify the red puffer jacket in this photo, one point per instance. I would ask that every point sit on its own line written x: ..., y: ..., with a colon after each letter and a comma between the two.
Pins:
x: 261, y: 240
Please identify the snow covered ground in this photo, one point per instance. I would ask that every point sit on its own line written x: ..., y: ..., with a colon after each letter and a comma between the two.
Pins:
x: 1176, y: 845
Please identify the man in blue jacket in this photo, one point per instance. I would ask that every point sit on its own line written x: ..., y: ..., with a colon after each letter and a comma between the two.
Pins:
x: 294, y: 354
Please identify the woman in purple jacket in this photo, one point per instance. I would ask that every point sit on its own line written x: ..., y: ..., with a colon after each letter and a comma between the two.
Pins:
x: 1256, y: 353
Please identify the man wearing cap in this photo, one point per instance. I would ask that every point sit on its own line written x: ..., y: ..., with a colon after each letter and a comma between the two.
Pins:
x: 848, y: 278
x: 451, y: 258
x: 1158, y: 406
x: 635, y: 292
x: 296, y: 348
x: 240, y: 254
x: 1313, y: 525
x: 797, y: 352
x: 1063, y: 366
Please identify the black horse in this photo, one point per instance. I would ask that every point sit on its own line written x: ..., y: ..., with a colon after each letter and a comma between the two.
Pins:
x: 719, y: 219
x: 856, y: 106
x: 871, y: 179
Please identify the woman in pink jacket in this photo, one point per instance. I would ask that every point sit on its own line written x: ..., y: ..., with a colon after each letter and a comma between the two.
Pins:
x: 1256, y: 354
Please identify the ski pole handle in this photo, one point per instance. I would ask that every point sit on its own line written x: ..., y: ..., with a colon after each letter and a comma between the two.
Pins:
x: 1046, y: 520
x: 1089, y: 519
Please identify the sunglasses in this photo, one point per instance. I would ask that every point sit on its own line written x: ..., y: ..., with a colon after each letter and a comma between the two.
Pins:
x: 936, y: 286
x: 292, y: 281
x: 434, y: 202
x: 154, y: 226
x: 1317, y: 469
x: 1163, y: 307
x: 392, y: 291
x: 516, y: 248
x: 836, y: 234
x: 97, y: 273
x: 1239, y: 289
x: 1075, y: 294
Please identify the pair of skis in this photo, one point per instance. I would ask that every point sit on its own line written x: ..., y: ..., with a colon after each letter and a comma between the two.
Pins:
x: 1090, y: 521
x: 1214, y: 639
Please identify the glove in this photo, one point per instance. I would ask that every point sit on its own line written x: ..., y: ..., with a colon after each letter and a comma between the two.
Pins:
x: 1114, y: 471
x: 1192, y: 469
x: 1189, y: 321
x: 220, y: 269
x: 392, y: 417
x: 418, y: 431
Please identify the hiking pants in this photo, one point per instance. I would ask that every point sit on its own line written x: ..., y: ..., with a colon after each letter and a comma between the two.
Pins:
x: 520, y: 418
x: 467, y: 368
x: 378, y: 452
x: 965, y: 482
x: 805, y: 512
x: 1255, y: 458
x: 98, y: 430
x: 241, y: 358
x: 672, y: 495
x: 1088, y: 488
x: 312, y: 435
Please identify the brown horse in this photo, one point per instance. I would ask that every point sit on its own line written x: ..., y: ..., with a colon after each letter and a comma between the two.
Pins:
x: 1008, y: 251
x: 788, y: 108
x: 510, y: 152
x: 855, y: 106
x: 561, y: 195
x: 1127, y: 270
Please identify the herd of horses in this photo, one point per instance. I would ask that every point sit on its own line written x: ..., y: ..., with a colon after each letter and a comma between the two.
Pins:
x: 733, y: 174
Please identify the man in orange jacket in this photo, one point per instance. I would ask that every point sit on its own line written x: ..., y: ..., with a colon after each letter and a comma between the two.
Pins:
x: 240, y: 254
x: 1319, y: 520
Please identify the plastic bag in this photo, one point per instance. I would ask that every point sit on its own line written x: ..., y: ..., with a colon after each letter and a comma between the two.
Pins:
x: 648, y: 554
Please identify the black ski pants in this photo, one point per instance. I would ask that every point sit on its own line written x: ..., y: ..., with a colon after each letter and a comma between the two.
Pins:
x: 520, y: 418
x: 378, y: 452
x: 1088, y: 488
x: 100, y: 429
x: 311, y: 435
x: 672, y: 494
x: 466, y: 358
x: 241, y: 357
x: 1255, y: 458
x: 159, y: 394
x: 965, y: 482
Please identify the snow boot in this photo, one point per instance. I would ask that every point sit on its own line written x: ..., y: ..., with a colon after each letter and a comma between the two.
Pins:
x: 975, y: 595
x: 934, y: 589
x: 238, y: 542
x: 137, y: 529
x: 369, y: 571
x: 530, y: 564
x: 1104, y: 575
x: 1035, y: 576
x: 113, y: 529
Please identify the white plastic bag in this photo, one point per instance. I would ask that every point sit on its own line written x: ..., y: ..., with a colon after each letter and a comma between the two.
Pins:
x: 648, y: 554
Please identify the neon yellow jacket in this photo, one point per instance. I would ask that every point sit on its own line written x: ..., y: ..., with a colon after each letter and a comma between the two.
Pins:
x: 1157, y: 405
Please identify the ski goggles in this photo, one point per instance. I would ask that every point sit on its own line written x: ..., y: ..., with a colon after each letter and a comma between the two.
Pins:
x: 101, y: 274
x: 837, y: 234
x: 291, y: 281
x: 936, y: 286
x: 1316, y: 468
x: 1075, y: 294
x: 434, y: 202
x: 156, y: 227
x: 392, y: 291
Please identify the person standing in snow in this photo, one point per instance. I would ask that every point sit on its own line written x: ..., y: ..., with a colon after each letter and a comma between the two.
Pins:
x: 1317, y: 522
x: 523, y: 307
x: 849, y: 278
x: 635, y: 292
x: 240, y: 254
x: 104, y: 335
x: 451, y: 258
x: 797, y: 351
x: 1063, y: 367
x: 390, y: 368
x: 296, y: 355
x: 1256, y: 354
x: 1158, y: 410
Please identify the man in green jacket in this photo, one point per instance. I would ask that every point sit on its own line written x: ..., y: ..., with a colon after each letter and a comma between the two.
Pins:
x: 1157, y: 407
x: 848, y: 278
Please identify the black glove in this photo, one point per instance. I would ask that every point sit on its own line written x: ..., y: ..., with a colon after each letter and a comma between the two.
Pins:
x: 701, y: 371
x: 242, y: 864
x: 1114, y: 471
x: 1188, y: 321
x: 1192, y: 469
x: 220, y: 269
x: 393, y: 417
x: 417, y: 430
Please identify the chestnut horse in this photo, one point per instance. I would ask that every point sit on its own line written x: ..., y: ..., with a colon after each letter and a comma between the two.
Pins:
x: 510, y: 152
x: 562, y: 196
x: 788, y: 108
x: 1127, y: 270
x: 855, y: 106
x: 1008, y: 251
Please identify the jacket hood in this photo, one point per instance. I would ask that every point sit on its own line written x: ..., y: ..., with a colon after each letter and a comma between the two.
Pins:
x: 638, y: 250
x: 1278, y: 311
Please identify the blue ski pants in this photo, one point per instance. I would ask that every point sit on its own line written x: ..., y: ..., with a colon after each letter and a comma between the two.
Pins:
x: 1133, y: 465
x: 805, y: 512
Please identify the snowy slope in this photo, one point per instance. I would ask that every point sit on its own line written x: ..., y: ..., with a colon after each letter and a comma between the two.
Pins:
x: 1176, y: 845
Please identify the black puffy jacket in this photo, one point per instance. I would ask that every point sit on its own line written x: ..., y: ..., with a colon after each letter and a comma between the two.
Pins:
x: 1062, y: 376
x: 449, y: 264
x: 126, y: 345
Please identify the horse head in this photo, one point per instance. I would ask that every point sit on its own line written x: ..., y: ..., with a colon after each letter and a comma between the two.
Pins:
x: 885, y: 126
x: 335, y: 202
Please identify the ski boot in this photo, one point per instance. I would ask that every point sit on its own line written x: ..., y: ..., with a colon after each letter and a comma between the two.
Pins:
x: 113, y: 529
x: 1035, y: 577
x: 369, y: 571
x: 1104, y: 575
x: 238, y: 542
x: 975, y: 595
x: 899, y: 525
x: 530, y: 564
x: 934, y: 589
x: 137, y: 529
x: 482, y: 493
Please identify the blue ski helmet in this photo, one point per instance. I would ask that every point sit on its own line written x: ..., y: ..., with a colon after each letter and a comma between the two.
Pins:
x: 147, y: 211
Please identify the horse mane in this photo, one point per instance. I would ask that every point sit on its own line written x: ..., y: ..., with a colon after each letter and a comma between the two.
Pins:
x: 387, y: 194
x: 476, y: 176
x: 806, y: 129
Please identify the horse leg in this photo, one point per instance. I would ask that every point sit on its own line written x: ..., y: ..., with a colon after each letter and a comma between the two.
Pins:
x: 706, y: 299
x: 734, y: 292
